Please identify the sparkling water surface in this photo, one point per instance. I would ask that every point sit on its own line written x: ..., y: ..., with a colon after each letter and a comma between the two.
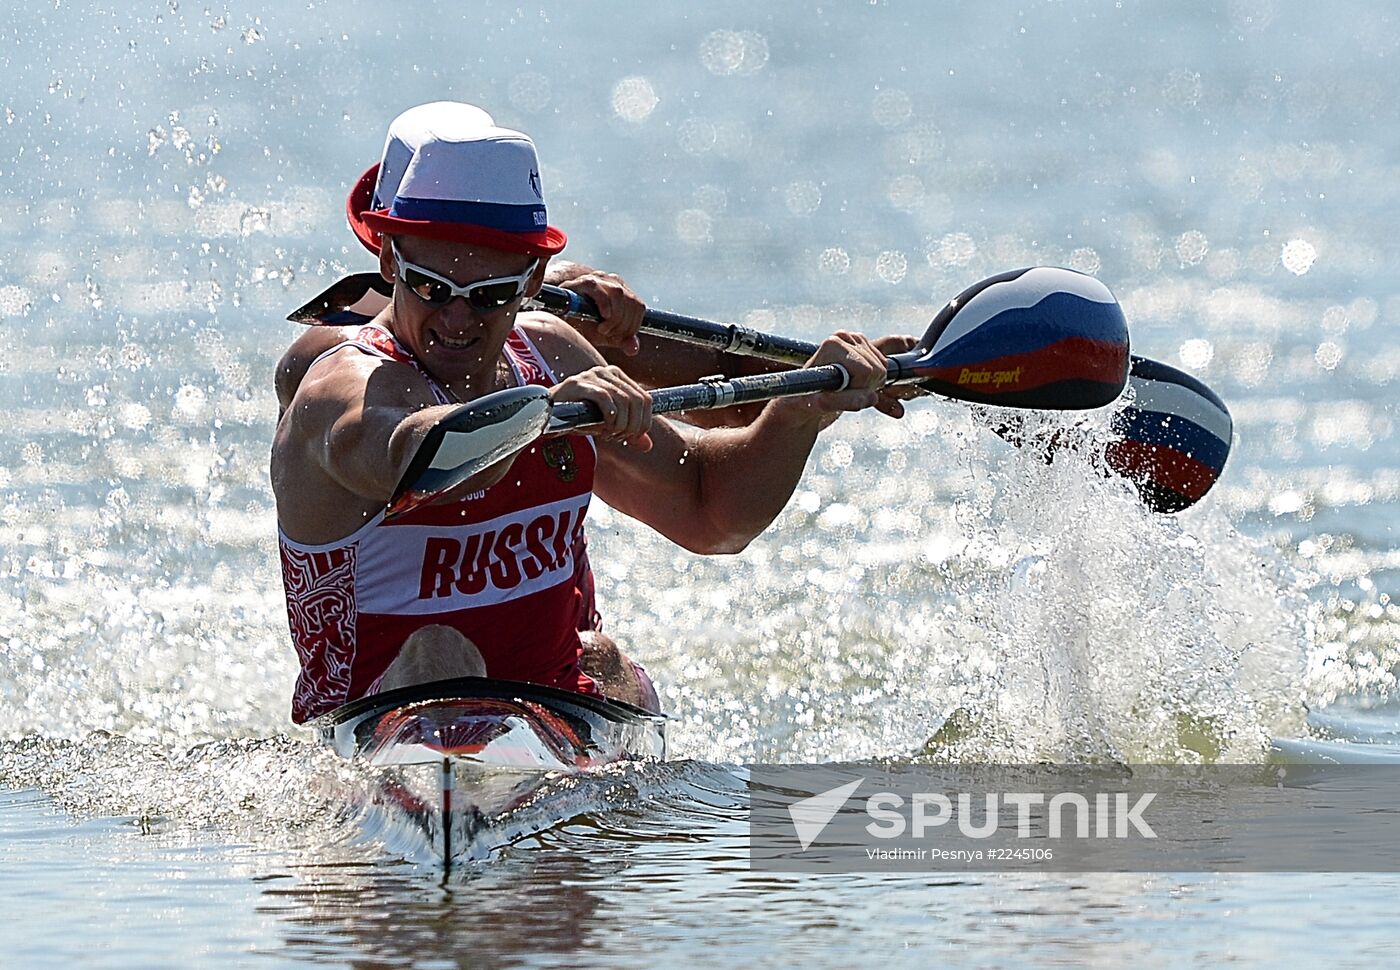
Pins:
x: 172, y: 185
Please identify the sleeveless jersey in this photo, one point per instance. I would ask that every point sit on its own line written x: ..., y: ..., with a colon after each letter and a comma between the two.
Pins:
x: 506, y: 566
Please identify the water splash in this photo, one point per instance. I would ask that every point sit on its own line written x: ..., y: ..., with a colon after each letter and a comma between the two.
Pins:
x: 999, y: 609
x: 277, y: 790
x: 1123, y: 635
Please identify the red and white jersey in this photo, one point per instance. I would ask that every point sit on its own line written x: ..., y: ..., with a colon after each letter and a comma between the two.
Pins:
x: 506, y: 566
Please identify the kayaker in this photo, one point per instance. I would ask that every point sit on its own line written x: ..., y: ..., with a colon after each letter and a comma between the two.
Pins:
x: 488, y: 578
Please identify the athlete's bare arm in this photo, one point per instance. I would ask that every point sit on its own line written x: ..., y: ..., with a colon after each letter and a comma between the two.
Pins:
x: 713, y: 491
x: 344, y: 442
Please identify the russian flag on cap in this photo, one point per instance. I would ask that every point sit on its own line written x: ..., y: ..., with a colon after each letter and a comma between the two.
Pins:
x: 491, y: 180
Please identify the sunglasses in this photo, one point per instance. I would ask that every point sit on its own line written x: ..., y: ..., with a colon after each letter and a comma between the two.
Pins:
x: 438, y: 291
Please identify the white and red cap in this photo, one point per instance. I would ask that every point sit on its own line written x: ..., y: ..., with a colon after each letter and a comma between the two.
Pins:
x: 449, y: 173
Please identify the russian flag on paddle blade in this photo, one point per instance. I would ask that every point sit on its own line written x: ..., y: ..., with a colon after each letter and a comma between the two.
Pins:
x: 1174, y: 437
x: 1025, y: 330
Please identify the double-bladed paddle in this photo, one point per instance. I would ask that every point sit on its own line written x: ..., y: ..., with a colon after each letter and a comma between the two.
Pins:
x: 1047, y: 339
x: 1171, y: 438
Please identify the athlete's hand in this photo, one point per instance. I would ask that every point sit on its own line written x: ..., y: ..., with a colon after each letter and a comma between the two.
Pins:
x: 865, y: 364
x: 890, y: 397
x: 620, y: 308
x: 625, y: 404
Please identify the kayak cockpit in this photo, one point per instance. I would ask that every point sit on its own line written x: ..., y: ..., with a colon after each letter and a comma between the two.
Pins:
x: 497, y: 723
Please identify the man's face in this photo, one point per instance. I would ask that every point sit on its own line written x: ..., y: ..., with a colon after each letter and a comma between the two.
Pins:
x: 455, y: 341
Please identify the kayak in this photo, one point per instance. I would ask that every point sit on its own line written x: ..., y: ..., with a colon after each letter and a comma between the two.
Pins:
x: 457, y: 757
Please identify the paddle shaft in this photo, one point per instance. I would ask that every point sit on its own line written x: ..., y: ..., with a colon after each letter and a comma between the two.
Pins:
x: 723, y: 392
x: 725, y: 337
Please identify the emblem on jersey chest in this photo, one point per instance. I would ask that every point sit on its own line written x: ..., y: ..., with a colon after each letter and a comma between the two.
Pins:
x: 559, y: 455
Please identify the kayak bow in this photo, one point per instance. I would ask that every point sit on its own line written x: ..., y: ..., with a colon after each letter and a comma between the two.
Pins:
x: 492, y: 743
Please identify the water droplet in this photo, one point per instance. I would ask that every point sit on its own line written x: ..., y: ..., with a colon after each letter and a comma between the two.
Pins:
x: 693, y: 226
x: 1328, y: 355
x: 1085, y: 260
x: 15, y: 301
x: 802, y: 197
x: 954, y: 249
x: 696, y: 136
x: 1298, y: 256
x: 530, y: 92
x: 906, y: 192
x: 726, y: 52
x: 891, y: 266
x: 835, y: 261
x: 634, y: 99
x: 1196, y: 354
x: 1182, y: 88
x: 891, y: 108
x: 254, y: 220
x: 1191, y: 247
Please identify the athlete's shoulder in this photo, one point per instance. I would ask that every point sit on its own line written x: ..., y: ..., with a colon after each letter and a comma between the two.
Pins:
x: 564, y: 349
x: 310, y: 344
x: 541, y: 325
x: 345, y: 382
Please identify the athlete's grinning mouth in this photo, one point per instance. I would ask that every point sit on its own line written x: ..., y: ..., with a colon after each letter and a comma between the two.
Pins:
x: 449, y: 344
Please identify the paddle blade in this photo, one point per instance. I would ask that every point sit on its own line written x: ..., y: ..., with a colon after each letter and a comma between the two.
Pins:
x: 470, y: 440
x: 1044, y: 338
x: 1173, y: 439
x: 355, y: 299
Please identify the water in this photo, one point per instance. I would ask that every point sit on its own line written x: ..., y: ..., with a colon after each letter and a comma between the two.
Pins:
x: 173, y: 181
